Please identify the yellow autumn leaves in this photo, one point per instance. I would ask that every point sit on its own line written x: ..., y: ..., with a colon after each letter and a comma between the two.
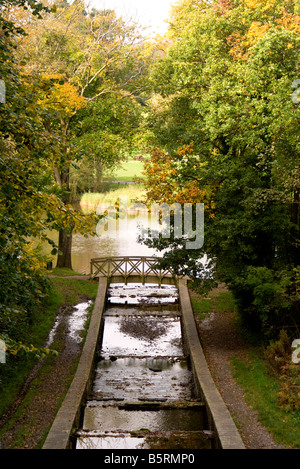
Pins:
x: 15, y: 348
x: 162, y: 185
x: 258, y: 17
x: 62, y: 96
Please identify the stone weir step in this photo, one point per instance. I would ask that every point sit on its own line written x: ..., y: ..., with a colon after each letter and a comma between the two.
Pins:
x: 141, y: 385
x: 144, y: 425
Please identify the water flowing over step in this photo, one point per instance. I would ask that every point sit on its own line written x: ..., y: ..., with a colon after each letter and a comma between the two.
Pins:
x: 143, y: 392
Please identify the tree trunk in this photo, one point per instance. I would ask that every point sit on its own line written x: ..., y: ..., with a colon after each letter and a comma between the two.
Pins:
x: 62, y: 178
x: 295, y: 247
x: 295, y: 207
x: 65, y: 248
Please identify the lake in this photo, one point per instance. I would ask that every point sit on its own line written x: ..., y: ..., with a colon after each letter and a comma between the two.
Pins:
x: 119, y: 240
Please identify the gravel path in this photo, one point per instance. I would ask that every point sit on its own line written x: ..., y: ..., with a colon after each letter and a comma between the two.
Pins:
x: 220, y: 344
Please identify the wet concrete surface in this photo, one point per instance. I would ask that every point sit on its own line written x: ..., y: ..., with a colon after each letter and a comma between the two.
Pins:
x: 143, y: 378
x: 150, y: 294
x: 114, y: 419
x: 156, y: 440
x: 142, y: 385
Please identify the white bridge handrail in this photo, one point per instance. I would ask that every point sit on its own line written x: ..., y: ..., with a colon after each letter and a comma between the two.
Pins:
x: 126, y: 266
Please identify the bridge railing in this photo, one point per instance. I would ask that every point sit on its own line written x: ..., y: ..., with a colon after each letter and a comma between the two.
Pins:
x: 129, y: 266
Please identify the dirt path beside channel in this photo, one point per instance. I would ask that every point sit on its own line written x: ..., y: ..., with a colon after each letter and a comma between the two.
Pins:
x: 220, y: 343
x: 34, y: 411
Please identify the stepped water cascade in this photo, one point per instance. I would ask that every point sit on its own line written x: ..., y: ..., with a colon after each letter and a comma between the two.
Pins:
x: 142, y: 395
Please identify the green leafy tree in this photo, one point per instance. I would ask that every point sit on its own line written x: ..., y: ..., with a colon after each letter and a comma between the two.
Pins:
x: 22, y: 144
x: 225, y: 87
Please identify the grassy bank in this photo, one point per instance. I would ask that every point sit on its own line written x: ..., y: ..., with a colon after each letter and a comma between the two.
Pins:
x: 219, y: 300
x: 131, y: 193
x: 273, y: 394
x: 64, y: 272
x: 16, y: 370
x: 262, y: 390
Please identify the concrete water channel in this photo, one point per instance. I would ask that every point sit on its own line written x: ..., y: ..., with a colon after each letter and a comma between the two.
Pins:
x: 142, y: 381
x: 143, y: 394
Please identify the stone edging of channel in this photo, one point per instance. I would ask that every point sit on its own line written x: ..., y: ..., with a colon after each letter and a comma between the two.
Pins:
x: 220, y: 420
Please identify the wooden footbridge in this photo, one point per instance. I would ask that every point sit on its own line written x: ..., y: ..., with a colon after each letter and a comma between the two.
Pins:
x: 130, y: 269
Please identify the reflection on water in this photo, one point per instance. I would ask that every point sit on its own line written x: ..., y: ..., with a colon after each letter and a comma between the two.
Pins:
x: 119, y: 242
x: 76, y: 322
x: 142, y: 336
x: 147, y: 294
x: 110, y: 442
x: 113, y: 419
x: 121, y: 239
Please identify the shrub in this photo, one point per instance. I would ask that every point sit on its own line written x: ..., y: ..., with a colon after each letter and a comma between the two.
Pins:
x: 279, y: 359
x: 268, y: 299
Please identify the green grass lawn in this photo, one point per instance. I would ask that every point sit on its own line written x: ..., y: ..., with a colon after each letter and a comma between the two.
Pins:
x: 127, y: 172
x: 133, y: 192
x: 218, y: 300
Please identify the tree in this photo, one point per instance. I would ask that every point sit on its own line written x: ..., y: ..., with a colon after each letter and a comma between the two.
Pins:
x: 86, y: 59
x: 28, y: 206
x: 225, y: 88
x: 22, y: 142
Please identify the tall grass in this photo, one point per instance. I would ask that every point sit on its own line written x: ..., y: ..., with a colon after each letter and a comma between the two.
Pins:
x: 133, y: 193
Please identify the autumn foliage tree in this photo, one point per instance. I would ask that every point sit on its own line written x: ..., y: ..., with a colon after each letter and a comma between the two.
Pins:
x: 226, y: 87
x: 23, y: 143
x: 90, y: 62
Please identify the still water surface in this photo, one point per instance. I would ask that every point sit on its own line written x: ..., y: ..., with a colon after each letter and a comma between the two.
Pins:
x: 121, y: 241
x: 119, y: 238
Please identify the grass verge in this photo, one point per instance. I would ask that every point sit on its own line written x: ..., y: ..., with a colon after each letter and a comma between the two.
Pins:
x: 219, y: 300
x: 262, y: 390
x: 63, y: 272
x: 262, y: 387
